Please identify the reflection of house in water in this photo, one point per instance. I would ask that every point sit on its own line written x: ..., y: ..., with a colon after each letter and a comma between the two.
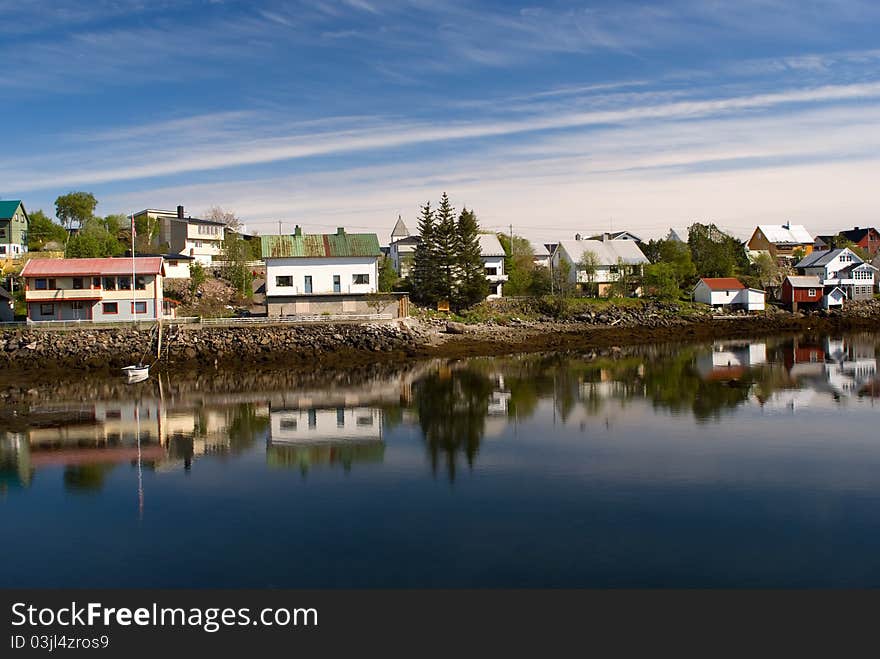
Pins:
x: 730, y: 360
x: 499, y: 401
x: 843, y: 368
x: 850, y: 365
x: 15, y: 464
x: 305, y: 437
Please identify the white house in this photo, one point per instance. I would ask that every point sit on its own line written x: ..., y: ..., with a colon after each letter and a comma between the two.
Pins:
x: 611, y: 257
x: 841, y: 268
x: 177, y: 265
x: 103, y: 289
x: 191, y: 236
x: 493, y: 255
x: 310, y: 274
x: 728, y: 292
x: 402, y: 248
x: 542, y: 254
x: 311, y: 425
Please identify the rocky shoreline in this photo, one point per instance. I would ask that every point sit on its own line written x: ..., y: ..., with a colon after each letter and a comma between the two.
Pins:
x: 32, y: 352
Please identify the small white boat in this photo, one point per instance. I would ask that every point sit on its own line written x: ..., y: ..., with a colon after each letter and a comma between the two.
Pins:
x: 137, y: 373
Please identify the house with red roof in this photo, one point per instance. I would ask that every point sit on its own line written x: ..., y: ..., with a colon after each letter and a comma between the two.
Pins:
x: 101, y: 289
x: 728, y: 293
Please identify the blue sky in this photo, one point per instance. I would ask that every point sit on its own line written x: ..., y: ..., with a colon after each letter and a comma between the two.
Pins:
x: 554, y: 117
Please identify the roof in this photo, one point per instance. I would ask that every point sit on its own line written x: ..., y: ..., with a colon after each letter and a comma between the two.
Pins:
x: 145, y: 265
x: 677, y: 233
x: 608, y: 251
x: 793, y: 234
x: 856, y: 233
x: 196, y: 220
x: 8, y: 208
x: 617, y: 235
x: 320, y: 245
x: 818, y: 259
x: 490, y: 245
x: 853, y: 266
x: 804, y: 282
x: 723, y: 283
x: 399, y: 230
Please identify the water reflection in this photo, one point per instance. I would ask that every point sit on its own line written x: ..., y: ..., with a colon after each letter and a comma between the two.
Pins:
x: 340, y: 420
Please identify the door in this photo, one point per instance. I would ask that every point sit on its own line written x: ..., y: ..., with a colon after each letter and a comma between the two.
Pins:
x: 308, y: 284
x: 337, y: 287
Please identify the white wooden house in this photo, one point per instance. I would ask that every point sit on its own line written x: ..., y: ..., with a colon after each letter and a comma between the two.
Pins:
x: 721, y: 292
x: 308, y: 274
x: 841, y: 268
x: 191, y: 236
x: 615, y: 258
x: 493, y: 255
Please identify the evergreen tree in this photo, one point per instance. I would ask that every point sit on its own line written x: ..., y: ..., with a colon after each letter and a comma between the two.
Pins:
x: 424, y: 265
x: 446, y: 242
x: 473, y: 286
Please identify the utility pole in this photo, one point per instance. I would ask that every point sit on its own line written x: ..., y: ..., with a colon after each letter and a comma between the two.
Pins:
x: 279, y: 227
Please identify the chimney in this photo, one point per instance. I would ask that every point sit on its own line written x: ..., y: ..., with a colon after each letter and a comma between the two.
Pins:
x: 787, y: 224
x: 297, y: 231
x: 605, y: 237
x: 180, y: 212
x: 340, y: 231
x: 577, y: 236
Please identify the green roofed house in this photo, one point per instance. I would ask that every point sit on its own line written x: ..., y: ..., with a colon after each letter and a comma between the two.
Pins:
x: 318, y: 274
x: 14, y: 224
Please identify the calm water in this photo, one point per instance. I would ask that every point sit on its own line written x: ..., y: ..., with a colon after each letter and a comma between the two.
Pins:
x: 733, y: 464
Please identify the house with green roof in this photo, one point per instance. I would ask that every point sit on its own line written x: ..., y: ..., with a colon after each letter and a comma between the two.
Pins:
x: 317, y: 274
x: 14, y: 224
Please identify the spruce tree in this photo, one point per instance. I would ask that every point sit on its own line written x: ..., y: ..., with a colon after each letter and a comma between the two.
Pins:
x: 424, y: 290
x: 446, y: 242
x: 473, y: 286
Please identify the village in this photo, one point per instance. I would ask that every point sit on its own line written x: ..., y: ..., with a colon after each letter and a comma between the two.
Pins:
x: 358, y: 277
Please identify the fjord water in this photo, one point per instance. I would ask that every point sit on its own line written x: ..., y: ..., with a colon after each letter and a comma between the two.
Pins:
x: 733, y: 464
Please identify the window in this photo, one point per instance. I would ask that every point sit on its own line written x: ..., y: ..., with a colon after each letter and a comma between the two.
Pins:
x: 113, y: 414
x: 139, y: 307
x: 337, y: 284
x: 172, y: 263
x: 308, y: 283
x: 41, y: 284
x: 140, y: 283
x: 124, y: 283
x: 96, y: 282
x: 313, y: 418
x: 47, y: 309
x: 491, y: 272
x: 109, y: 283
x: 360, y: 279
x: 52, y: 285
x: 76, y: 306
x: 2, y: 248
x: 288, y: 424
x: 284, y: 281
x: 110, y: 307
x: 340, y: 417
x: 78, y: 283
x: 811, y: 292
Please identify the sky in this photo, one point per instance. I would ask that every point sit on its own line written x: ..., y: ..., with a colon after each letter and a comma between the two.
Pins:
x: 553, y: 118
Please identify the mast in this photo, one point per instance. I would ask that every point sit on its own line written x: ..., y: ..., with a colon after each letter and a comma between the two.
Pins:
x: 133, y: 280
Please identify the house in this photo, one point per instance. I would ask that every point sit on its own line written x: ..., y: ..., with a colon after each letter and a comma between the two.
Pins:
x: 614, y: 259
x: 783, y: 241
x: 7, y: 313
x: 804, y: 291
x: 94, y: 289
x: 493, y: 254
x: 402, y: 248
x: 841, y: 268
x: 308, y: 274
x: 867, y: 239
x: 724, y: 292
x: 192, y: 236
x: 677, y: 234
x: 14, y: 224
x: 542, y: 254
x: 616, y: 235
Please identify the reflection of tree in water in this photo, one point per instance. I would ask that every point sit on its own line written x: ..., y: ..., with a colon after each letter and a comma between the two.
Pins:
x: 86, y: 478
x: 452, y: 407
x: 246, y: 427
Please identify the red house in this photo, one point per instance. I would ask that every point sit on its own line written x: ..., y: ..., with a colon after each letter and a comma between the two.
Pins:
x: 866, y: 238
x: 802, y: 291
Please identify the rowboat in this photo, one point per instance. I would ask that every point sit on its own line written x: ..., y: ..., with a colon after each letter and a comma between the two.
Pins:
x: 137, y: 373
